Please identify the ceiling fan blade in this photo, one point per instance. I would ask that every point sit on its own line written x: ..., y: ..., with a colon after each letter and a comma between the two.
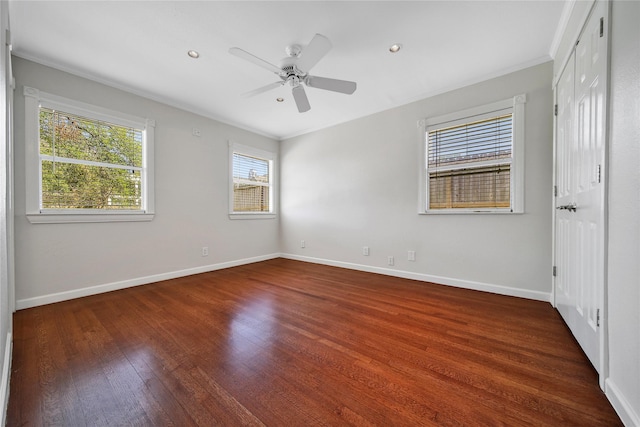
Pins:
x: 302, y: 102
x: 342, y: 86
x: 317, y: 48
x: 263, y: 89
x: 236, y: 51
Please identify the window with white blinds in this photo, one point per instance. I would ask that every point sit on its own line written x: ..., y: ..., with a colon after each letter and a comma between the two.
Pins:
x: 252, y: 181
x: 470, y: 161
x: 85, y: 163
x: 89, y: 164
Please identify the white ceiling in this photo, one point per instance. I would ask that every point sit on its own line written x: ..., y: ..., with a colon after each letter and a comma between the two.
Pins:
x: 141, y: 46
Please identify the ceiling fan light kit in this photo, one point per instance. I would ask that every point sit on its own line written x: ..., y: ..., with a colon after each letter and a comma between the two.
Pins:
x: 294, y: 70
x: 293, y: 50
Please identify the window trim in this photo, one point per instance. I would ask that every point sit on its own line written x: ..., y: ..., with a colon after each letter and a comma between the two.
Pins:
x: 516, y: 105
x: 34, y: 99
x: 235, y: 147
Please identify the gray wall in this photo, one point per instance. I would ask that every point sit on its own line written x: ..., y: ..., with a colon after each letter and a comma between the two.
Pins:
x: 356, y: 185
x: 58, y: 261
x: 623, y: 384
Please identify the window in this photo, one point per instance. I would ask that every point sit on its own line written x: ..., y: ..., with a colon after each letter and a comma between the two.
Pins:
x: 85, y: 163
x: 473, y: 160
x: 252, y: 177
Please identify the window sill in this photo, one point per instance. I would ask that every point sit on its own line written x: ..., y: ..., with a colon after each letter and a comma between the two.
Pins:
x: 252, y: 215
x: 68, y: 218
x: 470, y: 212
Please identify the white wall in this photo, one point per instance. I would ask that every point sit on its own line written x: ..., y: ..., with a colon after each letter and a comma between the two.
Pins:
x: 356, y: 185
x: 623, y: 384
x: 58, y: 261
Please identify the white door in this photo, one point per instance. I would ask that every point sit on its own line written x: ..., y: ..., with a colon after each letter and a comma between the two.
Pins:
x: 580, y: 202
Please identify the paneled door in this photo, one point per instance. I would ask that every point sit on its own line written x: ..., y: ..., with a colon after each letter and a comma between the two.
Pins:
x: 580, y: 189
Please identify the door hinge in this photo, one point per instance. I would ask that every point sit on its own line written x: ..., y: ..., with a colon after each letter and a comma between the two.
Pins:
x: 555, y: 271
x: 599, y: 174
x: 555, y: 191
x: 601, y: 27
x: 598, y: 317
x: 555, y: 110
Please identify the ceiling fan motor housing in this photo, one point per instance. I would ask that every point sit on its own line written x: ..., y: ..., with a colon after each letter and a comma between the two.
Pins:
x: 291, y: 73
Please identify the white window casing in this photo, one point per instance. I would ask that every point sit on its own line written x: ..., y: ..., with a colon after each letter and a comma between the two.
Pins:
x: 34, y: 101
x: 498, y: 114
x: 260, y: 182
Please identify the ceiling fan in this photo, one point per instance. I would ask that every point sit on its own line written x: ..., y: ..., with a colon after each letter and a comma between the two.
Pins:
x: 295, y: 70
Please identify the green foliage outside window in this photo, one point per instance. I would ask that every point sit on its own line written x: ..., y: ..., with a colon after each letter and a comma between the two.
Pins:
x: 89, y: 164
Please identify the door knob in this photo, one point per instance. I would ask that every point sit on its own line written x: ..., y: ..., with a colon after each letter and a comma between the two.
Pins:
x: 572, y: 207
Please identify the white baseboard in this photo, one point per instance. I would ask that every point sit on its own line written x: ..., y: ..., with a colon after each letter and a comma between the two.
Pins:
x: 108, y: 287
x: 625, y: 411
x: 6, y: 377
x: 458, y: 283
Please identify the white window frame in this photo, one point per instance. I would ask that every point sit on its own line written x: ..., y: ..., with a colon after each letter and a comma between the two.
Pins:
x: 514, y: 105
x: 34, y: 99
x: 270, y: 156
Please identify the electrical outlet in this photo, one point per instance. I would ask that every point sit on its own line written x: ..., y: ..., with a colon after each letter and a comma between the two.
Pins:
x: 303, y: 244
x: 365, y: 250
x: 411, y: 255
x: 390, y: 260
x: 205, y: 251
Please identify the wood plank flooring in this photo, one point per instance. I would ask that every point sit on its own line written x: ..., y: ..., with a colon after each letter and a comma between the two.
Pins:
x: 286, y: 343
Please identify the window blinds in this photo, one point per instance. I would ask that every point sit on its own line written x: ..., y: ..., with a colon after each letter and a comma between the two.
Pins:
x: 469, y: 164
x: 251, y: 184
x: 89, y: 164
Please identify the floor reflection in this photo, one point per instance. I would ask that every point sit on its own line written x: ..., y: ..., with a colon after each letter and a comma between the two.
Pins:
x: 252, y: 331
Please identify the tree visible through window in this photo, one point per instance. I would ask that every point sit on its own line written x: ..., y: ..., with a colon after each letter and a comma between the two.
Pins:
x: 89, y: 164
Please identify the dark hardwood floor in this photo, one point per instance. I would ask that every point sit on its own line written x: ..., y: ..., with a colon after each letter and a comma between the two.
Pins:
x: 286, y: 343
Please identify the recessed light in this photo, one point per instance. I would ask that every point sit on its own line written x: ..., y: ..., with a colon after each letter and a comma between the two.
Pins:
x: 194, y: 54
x: 395, y: 48
x: 280, y: 99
